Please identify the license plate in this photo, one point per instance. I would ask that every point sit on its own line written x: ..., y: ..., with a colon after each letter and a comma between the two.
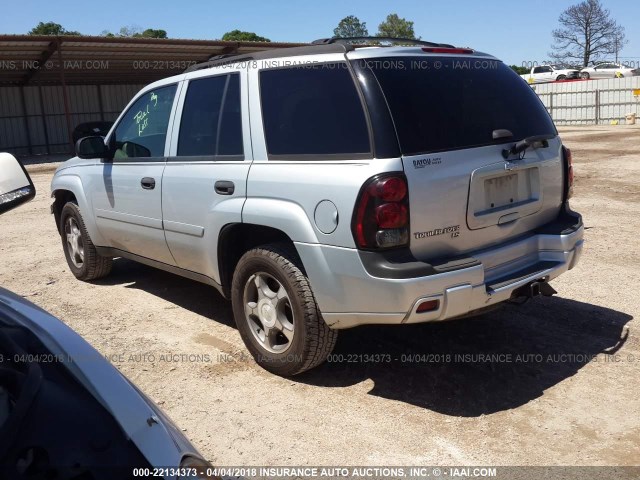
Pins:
x: 501, y: 191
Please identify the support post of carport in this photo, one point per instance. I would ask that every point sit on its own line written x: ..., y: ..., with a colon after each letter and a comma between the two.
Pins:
x: 65, y: 95
x: 100, y: 104
x: 45, y: 130
x: 25, y: 118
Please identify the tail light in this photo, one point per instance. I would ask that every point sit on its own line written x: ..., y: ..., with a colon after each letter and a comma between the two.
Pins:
x: 381, y: 216
x: 568, y: 169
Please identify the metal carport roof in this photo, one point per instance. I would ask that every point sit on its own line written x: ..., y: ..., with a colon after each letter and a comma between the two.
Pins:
x: 46, y: 60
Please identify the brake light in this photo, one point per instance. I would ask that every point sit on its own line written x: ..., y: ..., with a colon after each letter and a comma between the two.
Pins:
x: 455, y: 51
x: 391, y: 215
x: 568, y: 159
x: 381, y: 216
x: 391, y: 189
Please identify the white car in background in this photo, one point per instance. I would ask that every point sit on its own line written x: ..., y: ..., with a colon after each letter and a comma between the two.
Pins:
x: 608, y: 70
x: 551, y: 73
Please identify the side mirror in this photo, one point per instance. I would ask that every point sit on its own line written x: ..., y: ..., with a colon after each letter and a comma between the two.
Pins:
x: 16, y: 186
x: 92, y: 147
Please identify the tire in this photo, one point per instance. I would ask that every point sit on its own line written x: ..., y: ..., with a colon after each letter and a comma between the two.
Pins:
x: 584, y: 75
x: 561, y: 77
x: 84, y: 261
x: 276, y: 313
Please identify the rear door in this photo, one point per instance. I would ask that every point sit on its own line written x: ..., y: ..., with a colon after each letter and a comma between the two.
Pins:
x: 464, y: 195
x: 604, y: 70
x: 204, y: 182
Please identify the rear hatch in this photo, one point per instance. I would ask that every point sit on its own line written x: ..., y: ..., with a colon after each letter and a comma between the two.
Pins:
x: 464, y: 195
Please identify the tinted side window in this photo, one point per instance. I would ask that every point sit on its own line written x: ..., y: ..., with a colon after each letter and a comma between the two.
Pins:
x: 312, y: 110
x: 211, y: 122
x: 458, y: 105
x: 143, y: 129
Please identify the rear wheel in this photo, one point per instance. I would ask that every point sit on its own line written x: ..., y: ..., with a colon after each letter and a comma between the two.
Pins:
x: 83, y: 259
x: 584, y: 75
x: 276, y: 312
x: 561, y: 77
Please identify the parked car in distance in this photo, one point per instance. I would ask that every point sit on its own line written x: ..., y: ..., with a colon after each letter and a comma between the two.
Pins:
x: 65, y: 411
x: 608, y: 70
x: 551, y: 73
x: 329, y: 186
x: 88, y: 129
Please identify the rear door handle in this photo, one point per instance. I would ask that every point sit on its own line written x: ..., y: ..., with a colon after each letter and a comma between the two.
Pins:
x: 224, y: 187
x: 148, y: 183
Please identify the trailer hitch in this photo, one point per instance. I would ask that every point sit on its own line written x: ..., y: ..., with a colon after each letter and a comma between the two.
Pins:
x: 533, y: 289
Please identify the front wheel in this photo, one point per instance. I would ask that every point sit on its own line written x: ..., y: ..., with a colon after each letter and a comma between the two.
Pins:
x: 584, y: 75
x: 561, y: 78
x: 276, y: 313
x: 82, y: 257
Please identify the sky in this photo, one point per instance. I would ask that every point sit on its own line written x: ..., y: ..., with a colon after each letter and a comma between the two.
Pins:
x: 515, y: 31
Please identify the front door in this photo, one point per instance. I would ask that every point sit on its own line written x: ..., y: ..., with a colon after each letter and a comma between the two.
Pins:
x: 126, y: 192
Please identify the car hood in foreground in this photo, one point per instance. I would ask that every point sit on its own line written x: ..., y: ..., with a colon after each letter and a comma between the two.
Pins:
x: 155, y: 435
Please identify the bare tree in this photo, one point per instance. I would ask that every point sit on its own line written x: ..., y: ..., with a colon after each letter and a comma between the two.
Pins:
x: 587, y: 32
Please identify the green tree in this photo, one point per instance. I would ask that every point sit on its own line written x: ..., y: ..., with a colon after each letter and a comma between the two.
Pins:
x: 240, y: 36
x: 152, y: 33
x: 129, y: 31
x: 520, y: 70
x: 133, y: 31
x: 351, y: 26
x: 396, y: 27
x: 51, y: 28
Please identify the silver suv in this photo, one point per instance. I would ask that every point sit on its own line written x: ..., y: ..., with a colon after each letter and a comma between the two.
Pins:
x: 330, y: 186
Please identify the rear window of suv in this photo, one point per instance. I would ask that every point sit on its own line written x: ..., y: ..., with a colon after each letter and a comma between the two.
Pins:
x: 454, y: 103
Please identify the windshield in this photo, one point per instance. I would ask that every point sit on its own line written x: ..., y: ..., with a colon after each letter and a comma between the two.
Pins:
x: 454, y: 103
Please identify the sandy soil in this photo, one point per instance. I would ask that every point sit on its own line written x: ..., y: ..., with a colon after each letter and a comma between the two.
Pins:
x: 571, y: 398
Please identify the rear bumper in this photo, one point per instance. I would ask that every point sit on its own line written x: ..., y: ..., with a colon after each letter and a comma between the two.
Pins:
x: 353, y: 289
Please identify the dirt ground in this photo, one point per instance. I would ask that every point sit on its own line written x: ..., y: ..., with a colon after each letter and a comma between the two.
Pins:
x: 569, y: 396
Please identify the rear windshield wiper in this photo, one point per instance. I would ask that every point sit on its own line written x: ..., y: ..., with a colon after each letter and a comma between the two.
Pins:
x: 536, y: 141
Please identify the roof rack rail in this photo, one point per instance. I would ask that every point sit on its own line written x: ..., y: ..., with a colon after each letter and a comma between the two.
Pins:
x: 349, y: 40
x: 220, y: 56
x: 229, y: 58
x: 218, y: 60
